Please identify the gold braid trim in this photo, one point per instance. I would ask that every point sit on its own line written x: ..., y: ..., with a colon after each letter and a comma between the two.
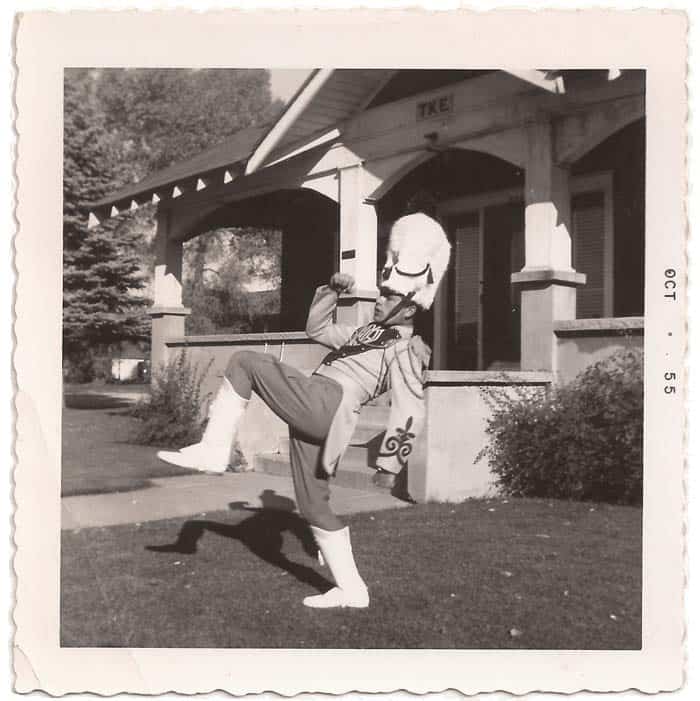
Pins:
x: 403, y: 374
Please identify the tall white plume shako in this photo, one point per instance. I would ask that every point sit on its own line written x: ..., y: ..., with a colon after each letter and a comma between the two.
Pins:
x: 416, y: 258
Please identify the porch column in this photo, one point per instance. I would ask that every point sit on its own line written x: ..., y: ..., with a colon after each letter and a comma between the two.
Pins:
x: 167, y: 313
x: 548, y: 279
x: 358, y: 245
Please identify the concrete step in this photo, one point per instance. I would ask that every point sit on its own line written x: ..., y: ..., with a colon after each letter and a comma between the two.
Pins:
x: 372, y: 422
x: 364, y: 434
x: 374, y: 416
x: 355, y: 458
x: 356, y: 455
x: 381, y: 400
x: 360, y: 438
x: 353, y: 470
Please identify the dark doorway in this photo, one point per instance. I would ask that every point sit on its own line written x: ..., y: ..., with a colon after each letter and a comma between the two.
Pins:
x: 484, y: 308
x: 453, y: 326
x: 465, y: 292
x: 504, y: 253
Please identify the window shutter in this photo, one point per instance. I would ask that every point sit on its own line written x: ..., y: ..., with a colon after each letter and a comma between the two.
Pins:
x: 467, y: 271
x: 467, y: 290
x: 588, y: 224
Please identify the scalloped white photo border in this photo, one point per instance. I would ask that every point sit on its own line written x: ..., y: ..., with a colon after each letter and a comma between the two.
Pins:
x: 48, y: 42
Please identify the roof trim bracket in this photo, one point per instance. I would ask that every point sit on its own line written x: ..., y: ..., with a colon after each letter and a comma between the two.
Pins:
x: 284, y: 123
x: 542, y: 79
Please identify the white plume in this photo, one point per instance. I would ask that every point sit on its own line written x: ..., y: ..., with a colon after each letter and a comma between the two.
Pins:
x: 417, y: 257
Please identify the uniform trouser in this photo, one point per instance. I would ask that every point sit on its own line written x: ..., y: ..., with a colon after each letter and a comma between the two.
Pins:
x: 307, y: 405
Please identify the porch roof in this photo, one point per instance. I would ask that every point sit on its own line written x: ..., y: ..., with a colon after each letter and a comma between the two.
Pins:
x: 327, y: 99
x: 229, y: 154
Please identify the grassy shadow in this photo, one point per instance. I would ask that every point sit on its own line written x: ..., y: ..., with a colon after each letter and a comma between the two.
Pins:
x: 262, y: 533
x: 564, y: 576
x: 104, y: 486
x: 88, y: 400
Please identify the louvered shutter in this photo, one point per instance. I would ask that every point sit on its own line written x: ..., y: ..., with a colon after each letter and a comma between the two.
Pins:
x: 588, y: 224
x: 467, y: 290
x: 517, y: 257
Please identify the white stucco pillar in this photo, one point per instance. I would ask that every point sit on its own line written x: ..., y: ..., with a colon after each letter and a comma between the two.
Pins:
x: 358, y: 243
x: 547, y: 205
x: 548, y: 279
x: 167, y: 313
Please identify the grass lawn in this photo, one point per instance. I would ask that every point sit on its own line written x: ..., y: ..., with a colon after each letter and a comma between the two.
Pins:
x: 482, y: 574
x: 97, y: 456
x: 97, y: 386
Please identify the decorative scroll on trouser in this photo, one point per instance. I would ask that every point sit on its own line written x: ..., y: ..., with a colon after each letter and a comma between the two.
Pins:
x: 405, y: 377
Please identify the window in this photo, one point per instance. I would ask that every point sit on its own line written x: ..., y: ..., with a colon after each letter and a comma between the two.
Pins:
x: 588, y: 244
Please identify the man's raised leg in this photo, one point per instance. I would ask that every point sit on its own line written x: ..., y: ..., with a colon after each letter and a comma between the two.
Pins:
x: 213, y: 452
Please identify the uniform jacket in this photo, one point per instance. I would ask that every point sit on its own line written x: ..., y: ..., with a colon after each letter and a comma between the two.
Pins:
x: 368, y: 361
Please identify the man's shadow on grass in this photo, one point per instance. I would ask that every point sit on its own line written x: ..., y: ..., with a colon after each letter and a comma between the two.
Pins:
x: 262, y: 533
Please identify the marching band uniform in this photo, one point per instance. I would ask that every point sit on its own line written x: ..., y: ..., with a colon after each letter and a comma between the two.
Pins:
x: 322, y: 410
x: 366, y: 362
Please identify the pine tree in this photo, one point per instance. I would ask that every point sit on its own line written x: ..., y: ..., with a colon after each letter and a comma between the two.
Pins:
x: 101, y: 271
x: 120, y: 125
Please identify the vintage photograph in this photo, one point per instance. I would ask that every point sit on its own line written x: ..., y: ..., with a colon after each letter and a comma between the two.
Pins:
x: 350, y: 371
x: 339, y: 343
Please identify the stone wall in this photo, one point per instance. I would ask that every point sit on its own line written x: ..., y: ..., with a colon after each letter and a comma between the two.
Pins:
x: 582, y: 342
x: 444, y: 465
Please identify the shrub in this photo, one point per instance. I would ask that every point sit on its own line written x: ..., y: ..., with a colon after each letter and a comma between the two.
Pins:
x: 103, y: 368
x: 582, y: 440
x: 173, y: 413
x: 79, y: 366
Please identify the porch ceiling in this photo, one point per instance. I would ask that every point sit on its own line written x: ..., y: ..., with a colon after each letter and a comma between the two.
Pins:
x: 332, y: 96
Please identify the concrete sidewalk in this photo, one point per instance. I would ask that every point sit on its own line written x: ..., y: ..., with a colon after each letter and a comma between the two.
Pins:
x: 191, y: 495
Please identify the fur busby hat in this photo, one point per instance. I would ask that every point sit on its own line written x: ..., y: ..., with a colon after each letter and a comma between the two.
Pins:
x: 416, y: 258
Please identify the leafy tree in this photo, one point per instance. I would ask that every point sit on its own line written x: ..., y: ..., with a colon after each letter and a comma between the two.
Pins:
x: 101, y: 271
x: 120, y: 125
x: 222, y: 269
x: 164, y: 115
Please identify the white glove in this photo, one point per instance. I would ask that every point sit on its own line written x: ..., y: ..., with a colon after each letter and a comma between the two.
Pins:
x: 342, y: 282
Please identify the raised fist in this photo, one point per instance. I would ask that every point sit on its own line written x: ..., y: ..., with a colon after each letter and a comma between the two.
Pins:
x: 342, y: 282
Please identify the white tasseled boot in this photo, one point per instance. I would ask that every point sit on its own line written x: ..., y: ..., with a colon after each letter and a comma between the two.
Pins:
x: 350, y: 590
x: 213, y: 452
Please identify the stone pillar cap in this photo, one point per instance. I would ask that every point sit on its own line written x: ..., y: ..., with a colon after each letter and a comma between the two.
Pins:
x: 161, y: 310
x: 360, y: 294
x: 562, y: 277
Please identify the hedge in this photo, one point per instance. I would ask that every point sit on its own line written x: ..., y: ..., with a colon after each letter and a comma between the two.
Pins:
x: 581, y: 440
